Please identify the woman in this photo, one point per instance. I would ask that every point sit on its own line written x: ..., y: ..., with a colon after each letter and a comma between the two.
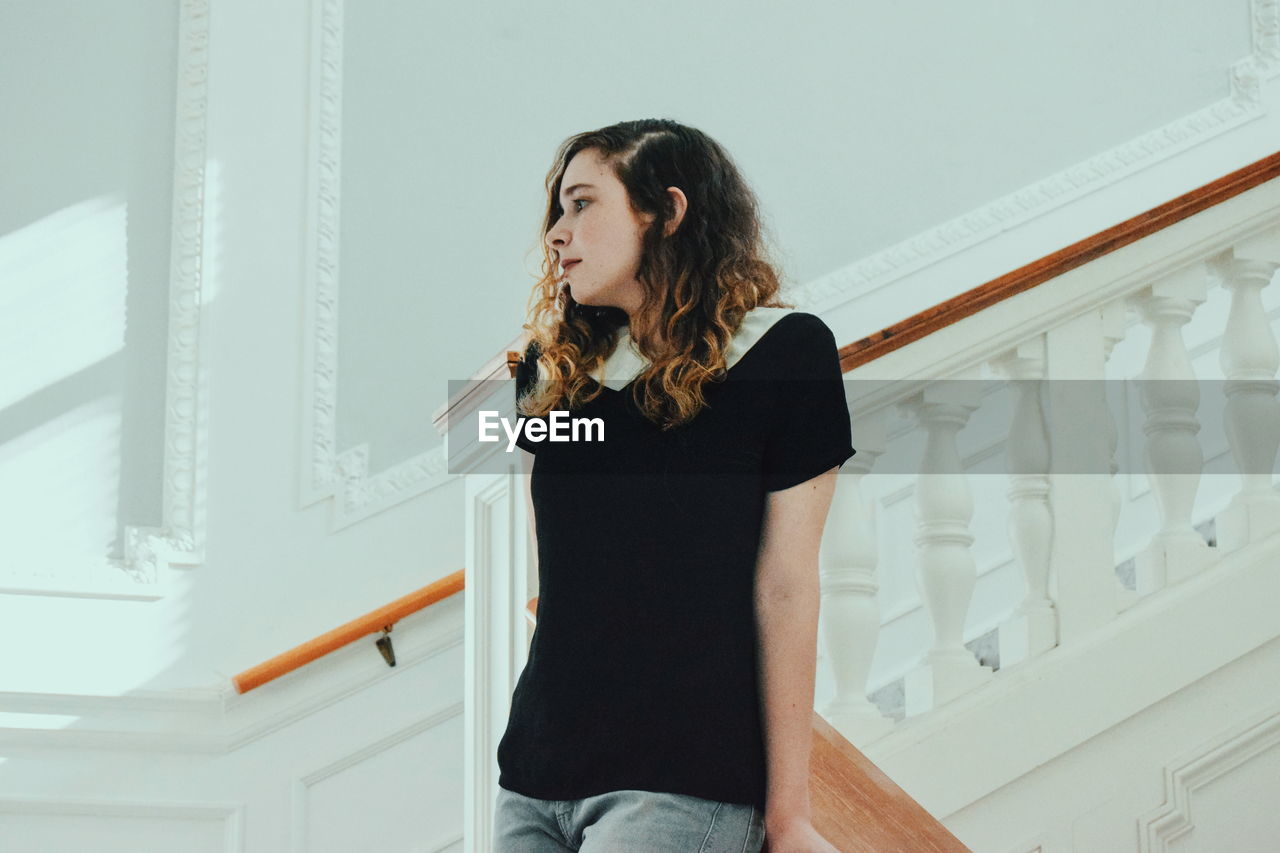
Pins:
x: 666, y: 703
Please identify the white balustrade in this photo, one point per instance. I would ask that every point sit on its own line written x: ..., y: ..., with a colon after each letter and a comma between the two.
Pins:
x: 1064, y: 503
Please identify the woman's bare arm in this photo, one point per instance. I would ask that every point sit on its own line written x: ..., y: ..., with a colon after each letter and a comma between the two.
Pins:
x: 787, y: 595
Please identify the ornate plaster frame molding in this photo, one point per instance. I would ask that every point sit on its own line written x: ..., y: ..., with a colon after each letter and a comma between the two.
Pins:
x: 1212, y: 760
x: 326, y: 470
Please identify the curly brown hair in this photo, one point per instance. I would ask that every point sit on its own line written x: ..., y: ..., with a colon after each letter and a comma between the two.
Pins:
x: 698, y: 282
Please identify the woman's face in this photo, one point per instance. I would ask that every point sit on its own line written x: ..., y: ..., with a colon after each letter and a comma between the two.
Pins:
x: 598, y: 235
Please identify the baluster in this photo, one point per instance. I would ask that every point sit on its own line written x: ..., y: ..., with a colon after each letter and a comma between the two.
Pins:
x: 1170, y: 396
x: 1033, y: 627
x: 850, y: 609
x: 1249, y: 360
x: 947, y: 572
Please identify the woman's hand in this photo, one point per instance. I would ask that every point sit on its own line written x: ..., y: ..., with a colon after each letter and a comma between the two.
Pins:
x: 795, y: 836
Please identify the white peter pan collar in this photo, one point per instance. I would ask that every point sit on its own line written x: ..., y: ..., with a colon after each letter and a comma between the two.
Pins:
x: 625, y: 362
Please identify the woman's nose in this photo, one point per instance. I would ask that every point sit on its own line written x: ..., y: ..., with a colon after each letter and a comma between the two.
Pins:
x: 557, y: 236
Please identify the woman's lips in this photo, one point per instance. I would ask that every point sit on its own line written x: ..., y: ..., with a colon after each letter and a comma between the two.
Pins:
x: 571, y: 264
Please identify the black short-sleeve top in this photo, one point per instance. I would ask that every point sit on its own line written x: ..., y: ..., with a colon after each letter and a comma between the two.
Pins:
x: 642, y: 670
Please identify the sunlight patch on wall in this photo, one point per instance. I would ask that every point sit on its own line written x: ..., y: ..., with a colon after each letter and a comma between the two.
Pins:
x: 59, y: 487
x: 63, y: 295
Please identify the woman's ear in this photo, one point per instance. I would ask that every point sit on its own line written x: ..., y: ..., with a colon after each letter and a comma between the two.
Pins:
x: 681, y: 205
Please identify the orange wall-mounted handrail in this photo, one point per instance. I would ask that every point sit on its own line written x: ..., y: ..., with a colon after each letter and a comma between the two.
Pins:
x: 374, y: 620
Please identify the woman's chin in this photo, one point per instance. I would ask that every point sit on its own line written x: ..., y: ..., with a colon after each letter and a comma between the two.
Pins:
x: 592, y: 298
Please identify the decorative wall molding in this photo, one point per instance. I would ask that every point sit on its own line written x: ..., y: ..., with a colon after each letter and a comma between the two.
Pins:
x: 324, y: 180
x: 230, y: 815
x: 179, y: 540
x: 1244, y: 104
x: 328, y: 472
x: 1211, y: 760
x: 1264, y: 19
x: 302, y: 786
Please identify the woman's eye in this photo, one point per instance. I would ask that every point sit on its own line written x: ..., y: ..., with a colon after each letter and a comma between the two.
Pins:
x: 578, y: 201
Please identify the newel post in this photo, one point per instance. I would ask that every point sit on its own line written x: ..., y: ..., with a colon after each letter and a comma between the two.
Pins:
x: 1082, y: 576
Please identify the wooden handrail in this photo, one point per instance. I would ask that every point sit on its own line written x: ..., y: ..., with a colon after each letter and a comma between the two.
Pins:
x: 1051, y: 266
x: 859, y: 809
x: 374, y: 620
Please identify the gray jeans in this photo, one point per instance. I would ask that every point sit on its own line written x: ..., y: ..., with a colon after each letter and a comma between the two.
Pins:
x: 625, y: 822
